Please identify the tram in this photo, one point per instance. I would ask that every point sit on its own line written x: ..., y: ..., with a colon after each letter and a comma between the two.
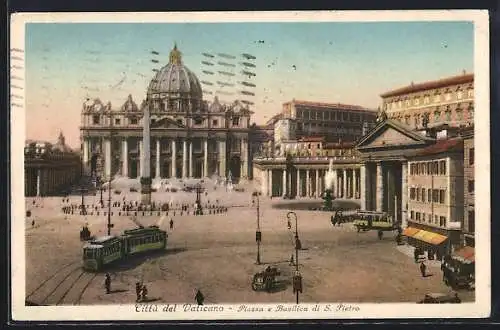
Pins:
x: 371, y: 220
x: 102, y: 251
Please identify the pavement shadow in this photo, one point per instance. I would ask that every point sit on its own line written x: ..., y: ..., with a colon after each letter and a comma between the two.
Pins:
x: 134, y: 261
x: 148, y: 300
x: 118, y: 291
x: 428, y: 275
x: 280, y: 286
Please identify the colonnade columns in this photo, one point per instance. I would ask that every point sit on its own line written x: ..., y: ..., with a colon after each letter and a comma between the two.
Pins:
x: 158, y: 154
x: 356, y: 184
x: 124, y: 158
x: 404, y: 194
x: 107, y: 158
x: 270, y: 187
x: 140, y: 158
x: 316, y: 188
x: 244, y: 158
x: 344, y: 195
x: 335, y: 184
x: 38, y: 182
x: 380, y: 188
x: 184, y: 159
x: 264, y: 182
x: 174, y: 159
x: 285, y: 179
x: 308, y: 184
x: 205, y: 158
x: 299, y: 186
x: 222, y: 158
x: 190, y: 159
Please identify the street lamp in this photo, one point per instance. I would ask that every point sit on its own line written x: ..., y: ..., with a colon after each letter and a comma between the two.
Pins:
x: 297, y: 278
x: 110, y: 225
x: 258, y: 234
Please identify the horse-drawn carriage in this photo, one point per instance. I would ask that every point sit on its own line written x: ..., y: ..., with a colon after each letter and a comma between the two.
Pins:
x: 266, y: 280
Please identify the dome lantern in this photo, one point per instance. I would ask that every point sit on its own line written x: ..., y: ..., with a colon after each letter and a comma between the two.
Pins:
x: 175, y: 56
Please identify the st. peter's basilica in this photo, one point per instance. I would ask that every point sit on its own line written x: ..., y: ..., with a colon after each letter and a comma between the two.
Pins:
x: 190, y: 137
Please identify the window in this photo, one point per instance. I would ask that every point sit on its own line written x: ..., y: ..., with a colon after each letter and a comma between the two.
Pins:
x: 437, y: 98
x: 471, y: 223
x: 448, y: 115
x: 417, y: 101
x: 437, y: 116
x: 429, y: 218
x: 442, y: 221
x: 198, y: 121
x: 471, y: 156
x: 412, y: 215
x: 436, y: 219
x: 441, y: 196
x: 448, y: 96
x: 418, y: 194
x: 117, y: 121
x: 423, y: 194
x: 435, y: 196
x: 470, y: 185
x: 442, y: 167
x: 215, y: 122
x: 133, y: 121
x: 412, y: 194
x: 417, y: 216
x: 460, y: 114
x: 236, y: 121
x: 95, y: 119
x: 429, y: 195
x: 426, y: 100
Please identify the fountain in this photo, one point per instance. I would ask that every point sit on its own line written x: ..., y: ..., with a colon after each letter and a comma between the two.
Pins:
x: 329, y: 186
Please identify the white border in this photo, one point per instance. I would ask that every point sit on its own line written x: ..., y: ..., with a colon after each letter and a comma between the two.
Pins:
x: 481, y: 308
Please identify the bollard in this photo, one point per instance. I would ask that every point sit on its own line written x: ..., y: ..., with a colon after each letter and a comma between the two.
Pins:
x: 142, y: 213
x: 119, y: 213
x: 91, y: 213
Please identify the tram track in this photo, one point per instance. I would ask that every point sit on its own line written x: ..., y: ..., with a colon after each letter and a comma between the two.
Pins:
x: 65, y: 287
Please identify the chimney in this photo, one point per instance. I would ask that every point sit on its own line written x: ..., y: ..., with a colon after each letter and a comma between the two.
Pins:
x: 464, y: 72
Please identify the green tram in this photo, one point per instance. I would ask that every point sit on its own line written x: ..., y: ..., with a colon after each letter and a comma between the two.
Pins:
x: 371, y: 220
x: 105, y: 250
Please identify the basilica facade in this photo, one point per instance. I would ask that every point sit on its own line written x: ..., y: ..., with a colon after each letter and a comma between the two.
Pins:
x: 190, y: 137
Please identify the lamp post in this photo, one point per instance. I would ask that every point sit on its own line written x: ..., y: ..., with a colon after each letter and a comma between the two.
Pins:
x: 258, y: 233
x: 297, y: 278
x: 110, y: 225
x: 84, y: 211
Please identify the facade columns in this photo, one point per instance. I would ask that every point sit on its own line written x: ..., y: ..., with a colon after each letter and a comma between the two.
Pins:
x: 190, y: 159
x: 344, y: 179
x: 222, y: 158
x: 38, y: 182
x: 125, y: 158
x: 404, y: 195
x: 85, y: 152
x: 205, y: 158
x: 285, y: 179
x: 174, y: 159
x: 363, y: 191
x: 299, y: 186
x: 244, y: 158
x: 356, y: 186
x: 140, y: 158
x: 107, y: 158
x: 308, y: 184
x: 380, y: 187
x: 157, y: 172
x: 264, y: 182
x: 184, y: 159
x: 316, y: 185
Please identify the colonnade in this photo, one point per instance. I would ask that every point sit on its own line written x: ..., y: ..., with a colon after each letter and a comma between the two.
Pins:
x: 310, y: 182
x: 43, y: 181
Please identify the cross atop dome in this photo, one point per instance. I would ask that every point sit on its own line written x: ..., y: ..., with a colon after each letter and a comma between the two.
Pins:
x: 175, y: 56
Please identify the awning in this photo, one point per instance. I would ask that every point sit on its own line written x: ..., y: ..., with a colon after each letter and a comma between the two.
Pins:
x: 465, y: 255
x: 424, y: 235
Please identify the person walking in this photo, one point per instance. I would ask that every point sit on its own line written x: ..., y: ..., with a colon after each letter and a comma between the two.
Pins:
x: 423, y: 268
x: 107, y: 283
x: 380, y: 234
x: 199, y: 297
x: 171, y: 223
x: 144, y: 293
x: 138, y: 290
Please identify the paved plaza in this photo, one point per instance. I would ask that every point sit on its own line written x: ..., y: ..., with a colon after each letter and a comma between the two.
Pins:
x: 216, y: 254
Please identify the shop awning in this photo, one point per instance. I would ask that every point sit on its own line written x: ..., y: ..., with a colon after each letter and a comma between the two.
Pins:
x: 465, y: 255
x: 424, y: 235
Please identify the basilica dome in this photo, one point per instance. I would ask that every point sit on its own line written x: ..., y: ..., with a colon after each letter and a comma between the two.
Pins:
x: 176, y: 80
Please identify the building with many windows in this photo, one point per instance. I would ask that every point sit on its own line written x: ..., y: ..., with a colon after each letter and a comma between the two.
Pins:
x: 468, y: 227
x: 190, y: 137
x: 448, y: 101
x: 49, y: 168
x: 435, y: 195
x: 335, y: 121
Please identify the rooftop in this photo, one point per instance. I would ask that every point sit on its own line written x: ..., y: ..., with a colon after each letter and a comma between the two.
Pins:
x: 449, y: 81
x: 442, y: 146
x: 330, y: 105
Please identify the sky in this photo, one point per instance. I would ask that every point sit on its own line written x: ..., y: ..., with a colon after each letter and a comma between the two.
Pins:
x: 344, y: 62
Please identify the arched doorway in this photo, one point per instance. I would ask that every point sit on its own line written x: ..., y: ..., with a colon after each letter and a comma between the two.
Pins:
x: 235, y: 166
x: 93, y: 165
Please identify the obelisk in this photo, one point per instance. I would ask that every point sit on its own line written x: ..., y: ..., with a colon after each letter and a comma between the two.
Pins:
x: 146, y: 158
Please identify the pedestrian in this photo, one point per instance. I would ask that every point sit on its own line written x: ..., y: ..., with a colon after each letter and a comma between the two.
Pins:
x: 416, y: 253
x: 423, y: 269
x: 291, y: 260
x: 33, y: 223
x: 171, y: 223
x: 289, y: 224
x: 144, y: 293
x: 107, y: 283
x: 199, y: 297
x: 138, y: 289
x: 380, y: 234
